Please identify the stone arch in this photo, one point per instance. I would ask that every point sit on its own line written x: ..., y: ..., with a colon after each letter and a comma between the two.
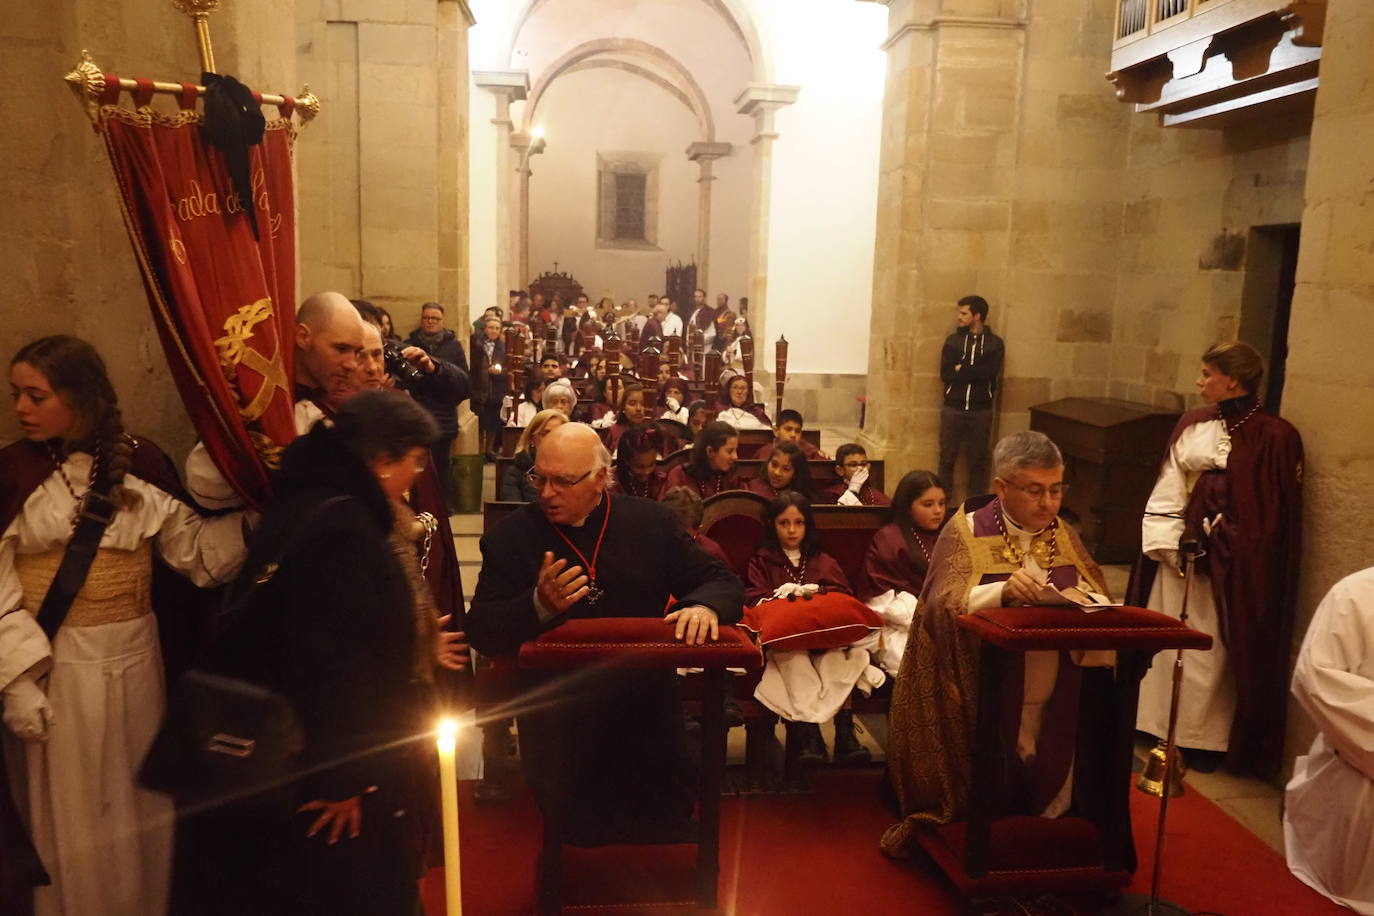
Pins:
x: 685, y: 86
x: 735, y: 13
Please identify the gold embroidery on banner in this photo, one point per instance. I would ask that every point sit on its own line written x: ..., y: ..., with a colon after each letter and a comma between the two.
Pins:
x: 234, y: 350
x: 178, y: 249
x: 269, y: 451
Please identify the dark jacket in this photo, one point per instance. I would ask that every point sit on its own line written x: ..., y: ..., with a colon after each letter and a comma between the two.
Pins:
x: 974, y: 384
x: 514, y: 487
x: 337, y: 631
x: 441, y: 391
x: 487, y: 389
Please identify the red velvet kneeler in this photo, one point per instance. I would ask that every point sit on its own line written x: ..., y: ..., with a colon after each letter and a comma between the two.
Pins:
x: 992, y: 856
x: 645, y: 642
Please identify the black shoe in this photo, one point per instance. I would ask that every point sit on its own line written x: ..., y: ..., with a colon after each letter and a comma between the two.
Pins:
x: 734, y: 716
x: 849, y: 750
x: 813, y: 745
x: 1200, y: 761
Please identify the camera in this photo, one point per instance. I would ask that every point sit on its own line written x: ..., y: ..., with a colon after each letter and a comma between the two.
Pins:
x: 399, y: 367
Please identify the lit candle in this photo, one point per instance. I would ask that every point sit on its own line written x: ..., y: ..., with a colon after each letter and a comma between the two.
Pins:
x: 447, y: 742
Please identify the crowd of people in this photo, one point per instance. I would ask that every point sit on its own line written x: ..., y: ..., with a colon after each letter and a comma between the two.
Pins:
x: 355, y: 608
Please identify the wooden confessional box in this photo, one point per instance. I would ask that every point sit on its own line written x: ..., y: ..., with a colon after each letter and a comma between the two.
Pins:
x: 1112, y: 451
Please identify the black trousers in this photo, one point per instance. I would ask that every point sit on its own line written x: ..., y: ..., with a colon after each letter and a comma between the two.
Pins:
x: 967, y: 431
x: 439, y: 454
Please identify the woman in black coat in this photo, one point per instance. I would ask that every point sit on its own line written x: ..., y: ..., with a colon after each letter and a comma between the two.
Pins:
x: 335, y: 630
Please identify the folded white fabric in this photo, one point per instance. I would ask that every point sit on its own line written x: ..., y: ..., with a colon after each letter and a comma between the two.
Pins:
x: 806, y: 686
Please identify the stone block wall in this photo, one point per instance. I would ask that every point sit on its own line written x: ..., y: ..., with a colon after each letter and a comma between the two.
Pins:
x: 382, y: 178
x: 64, y: 252
x: 1329, y: 393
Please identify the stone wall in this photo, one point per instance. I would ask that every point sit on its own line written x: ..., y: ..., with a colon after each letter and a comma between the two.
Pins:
x: 1002, y: 154
x: 64, y: 253
x: 1329, y: 393
x: 1190, y: 198
x: 382, y: 174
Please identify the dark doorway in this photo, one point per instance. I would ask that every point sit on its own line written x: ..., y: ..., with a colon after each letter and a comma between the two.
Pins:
x: 1271, y: 268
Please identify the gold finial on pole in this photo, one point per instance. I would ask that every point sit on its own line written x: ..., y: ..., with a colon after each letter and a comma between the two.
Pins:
x: 88, y: 82
x: 199, y: 11
x: 307, y: 105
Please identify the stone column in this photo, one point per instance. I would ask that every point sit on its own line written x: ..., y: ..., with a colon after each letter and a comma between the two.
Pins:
x: 508, y: 86
x: 946, y: 184
x: 761, y: 101
x: 454, y: 20
x: 523, y: 147
x: 704, y: 154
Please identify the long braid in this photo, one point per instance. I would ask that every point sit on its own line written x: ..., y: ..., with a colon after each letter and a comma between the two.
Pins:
x: 117, y: 452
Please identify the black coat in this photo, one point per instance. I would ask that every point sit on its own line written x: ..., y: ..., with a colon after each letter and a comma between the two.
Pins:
x: 513, y: 485
x: 973, y: 385
x: 487, y: 389
x: 623, y: 771
x: 441, y: 391
x: 334, y: 632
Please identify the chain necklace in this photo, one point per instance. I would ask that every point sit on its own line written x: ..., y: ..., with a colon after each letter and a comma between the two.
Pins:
x: 719, y: 477
x: 799, y: 576
x: 1232, y: 427
x: 431, y: 524
x: 62, y: 471
x: 916, y: 536
x: 634, y: 488
x: 1014, y: 555
x: 594, y: 591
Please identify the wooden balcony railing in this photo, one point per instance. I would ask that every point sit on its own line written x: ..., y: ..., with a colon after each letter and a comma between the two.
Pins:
x: 1191, y: 60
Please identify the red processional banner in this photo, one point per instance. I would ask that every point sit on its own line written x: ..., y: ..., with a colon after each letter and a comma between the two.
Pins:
x: 222, y: 300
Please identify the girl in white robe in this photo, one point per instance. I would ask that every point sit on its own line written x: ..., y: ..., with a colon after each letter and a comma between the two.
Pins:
x: 88, y: 704
x: 1328, y: 816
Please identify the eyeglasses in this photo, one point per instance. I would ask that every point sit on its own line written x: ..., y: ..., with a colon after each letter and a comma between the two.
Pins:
x: 1036, y: 492
x: 537, y: 480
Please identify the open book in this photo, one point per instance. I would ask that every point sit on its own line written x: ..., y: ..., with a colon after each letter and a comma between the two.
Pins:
x: 1073, y: 596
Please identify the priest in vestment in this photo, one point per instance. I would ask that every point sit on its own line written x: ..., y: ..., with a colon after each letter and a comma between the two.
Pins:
x: 1328, y: 814
x: 990, y: 555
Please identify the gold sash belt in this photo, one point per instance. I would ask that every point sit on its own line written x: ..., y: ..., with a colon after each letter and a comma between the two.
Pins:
x: 118, y: 587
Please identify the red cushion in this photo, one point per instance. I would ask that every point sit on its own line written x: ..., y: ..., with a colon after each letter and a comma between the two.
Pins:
x: 634, y: 642
x: 1023, y: 629
x: 825, y: 622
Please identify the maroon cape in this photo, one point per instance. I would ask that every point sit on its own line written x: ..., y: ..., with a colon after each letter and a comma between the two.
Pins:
x: 1252, y: 559
x: 868, y: 494
x: 889, y: 564
x: 716, y: 483
x: 769, y: 568
x: 650, y: 489
x: 24, y: 465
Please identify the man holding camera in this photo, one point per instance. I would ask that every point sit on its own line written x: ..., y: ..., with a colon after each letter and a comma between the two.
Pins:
x: 440, y: 357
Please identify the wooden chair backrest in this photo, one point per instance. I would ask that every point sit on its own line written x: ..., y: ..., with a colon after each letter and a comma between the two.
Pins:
x: 736, y: 519
x: 846, y: 532
x: 752, y: 441
x: 822, y: 472
x: 510, y: 435
x: 494, y: 511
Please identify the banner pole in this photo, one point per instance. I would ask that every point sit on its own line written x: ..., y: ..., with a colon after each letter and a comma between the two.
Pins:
x: 199, y: 11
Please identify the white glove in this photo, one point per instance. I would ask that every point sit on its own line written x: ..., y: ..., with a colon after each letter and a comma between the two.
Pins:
x: 507, y: 405
x: 786, y: 589
x: 672, y: 404
x: 849, y: 498
x: 810, y: 588
x: 856, y: 483
x: 606, y: 422
x: 27, y: 712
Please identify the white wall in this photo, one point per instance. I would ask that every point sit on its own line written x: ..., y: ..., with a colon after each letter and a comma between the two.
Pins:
x: 825, y: 162
x: 825, y: 178
x: 482, y: 234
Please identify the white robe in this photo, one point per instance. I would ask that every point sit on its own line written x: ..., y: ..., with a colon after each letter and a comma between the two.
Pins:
x: 106, y: 842
x: 1207, y: 699
x: 1328, y: 818
x: 741, y: 419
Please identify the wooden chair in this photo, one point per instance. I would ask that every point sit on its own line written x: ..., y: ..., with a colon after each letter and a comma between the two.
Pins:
x: 734, y: 520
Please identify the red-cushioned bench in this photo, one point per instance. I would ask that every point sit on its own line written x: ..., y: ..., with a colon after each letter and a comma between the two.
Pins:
x: 639, y: 642
x: 992, y: 856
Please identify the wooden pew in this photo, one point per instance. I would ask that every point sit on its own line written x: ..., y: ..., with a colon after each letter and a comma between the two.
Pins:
x: 752, y: 441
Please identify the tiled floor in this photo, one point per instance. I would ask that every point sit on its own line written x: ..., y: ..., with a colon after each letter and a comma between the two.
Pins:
x: 1255, y: 804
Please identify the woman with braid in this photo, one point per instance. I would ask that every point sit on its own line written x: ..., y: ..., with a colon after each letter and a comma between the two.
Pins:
x: 85, y: 701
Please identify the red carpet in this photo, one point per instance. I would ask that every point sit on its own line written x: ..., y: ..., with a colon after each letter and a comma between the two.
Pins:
x: 819, y: 854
